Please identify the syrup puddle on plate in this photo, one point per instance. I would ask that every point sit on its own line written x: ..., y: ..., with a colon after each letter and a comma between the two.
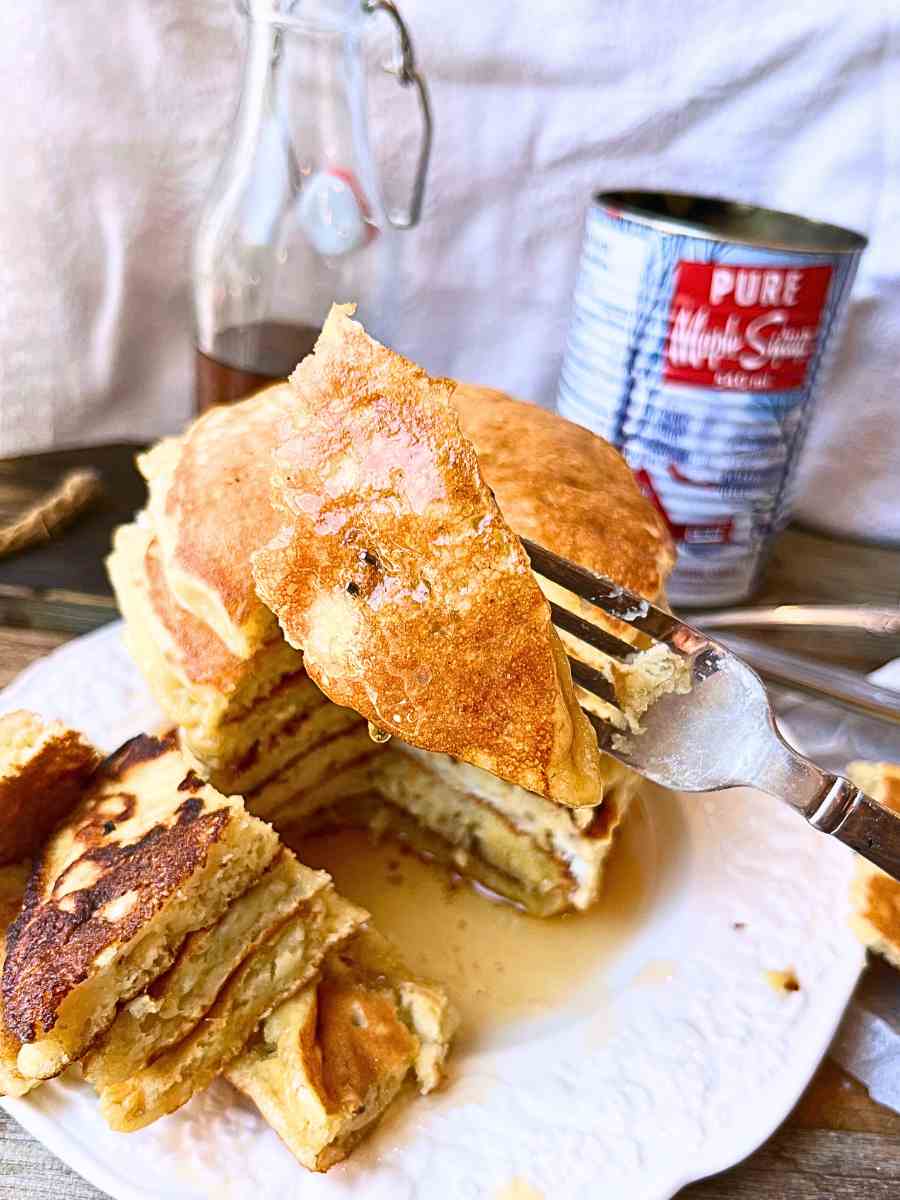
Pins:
x: 499, y: 965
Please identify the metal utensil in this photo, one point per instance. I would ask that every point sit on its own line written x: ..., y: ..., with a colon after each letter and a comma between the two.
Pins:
x: 720, y: 734
x: 863, y: 617
x: 824, y: 680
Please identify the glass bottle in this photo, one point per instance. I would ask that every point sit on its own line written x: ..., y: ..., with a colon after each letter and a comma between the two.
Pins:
x: 296, y: 217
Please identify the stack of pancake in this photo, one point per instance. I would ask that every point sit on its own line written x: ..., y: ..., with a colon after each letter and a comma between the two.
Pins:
x: 256, y: 724
x: 163, y: 933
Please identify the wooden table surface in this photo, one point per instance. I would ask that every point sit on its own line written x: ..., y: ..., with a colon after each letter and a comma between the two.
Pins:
x: 837, y: 1144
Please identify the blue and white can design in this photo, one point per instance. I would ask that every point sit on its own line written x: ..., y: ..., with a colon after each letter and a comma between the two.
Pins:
x: 699, y: 332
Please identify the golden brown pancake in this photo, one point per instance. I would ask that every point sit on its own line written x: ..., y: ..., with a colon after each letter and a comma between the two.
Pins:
x: 150, y: 854
x: 875, y: 896
x: 209, y: 507
x: 283, y: 963
x: 396, y: 574
x: 43, y: 767
x: 326, y: 1065
x: 566, y: 489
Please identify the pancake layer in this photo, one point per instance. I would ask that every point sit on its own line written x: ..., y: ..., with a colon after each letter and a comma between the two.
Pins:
x: 325, y: 1066
x: 271, y: 973
x: 150, y: 854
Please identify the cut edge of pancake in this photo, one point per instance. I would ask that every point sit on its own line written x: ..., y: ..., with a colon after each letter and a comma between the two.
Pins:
x: 172, y: 1005
x: 325, y: 1067
x: 271, y: 973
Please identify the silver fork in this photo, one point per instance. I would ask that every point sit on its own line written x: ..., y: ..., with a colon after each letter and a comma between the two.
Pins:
x: 720, y: 734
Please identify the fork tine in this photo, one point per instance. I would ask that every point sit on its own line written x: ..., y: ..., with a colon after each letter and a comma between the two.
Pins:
x: 592, y: 681
x: 617, y: 601
x: 586, y: 631
x: 605, y: 730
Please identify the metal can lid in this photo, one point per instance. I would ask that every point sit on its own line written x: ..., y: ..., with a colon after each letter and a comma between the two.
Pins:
x: 717, y: 219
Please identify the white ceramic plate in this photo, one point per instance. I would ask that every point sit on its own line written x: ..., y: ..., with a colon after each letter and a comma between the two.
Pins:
x: 672, y: 1058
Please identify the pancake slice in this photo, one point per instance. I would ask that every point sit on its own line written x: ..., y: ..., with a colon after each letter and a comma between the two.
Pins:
x: 43, y: 767
x: 221, y: 459
x: 539, y: 854
x: 174, y: 1003
x: 567, y: 489
x: 325, y: 1066
x: 150, y: 854
x: 260, y: 727
x: 874, y: 895
x: 396, y: 574
x: 272, y: 973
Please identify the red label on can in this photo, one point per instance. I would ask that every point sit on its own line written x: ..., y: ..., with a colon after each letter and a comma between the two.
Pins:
x: 744, y: 328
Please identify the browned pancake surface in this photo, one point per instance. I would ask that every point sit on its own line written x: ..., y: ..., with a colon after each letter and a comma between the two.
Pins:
x: 359, y: 1039
x: 13, y: 881
x: 86, y: 869
x: 875, y: 895
x: 566, y: 489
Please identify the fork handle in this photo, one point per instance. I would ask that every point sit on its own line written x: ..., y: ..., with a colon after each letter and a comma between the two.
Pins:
x: 830, y: 803
x: 859, y: 821
x: 835, y: 684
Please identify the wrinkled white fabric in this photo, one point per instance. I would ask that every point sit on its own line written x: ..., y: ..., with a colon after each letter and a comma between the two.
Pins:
x: 115, y: 115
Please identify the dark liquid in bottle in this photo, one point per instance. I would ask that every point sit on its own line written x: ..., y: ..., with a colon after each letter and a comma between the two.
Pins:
x: 245, y: 358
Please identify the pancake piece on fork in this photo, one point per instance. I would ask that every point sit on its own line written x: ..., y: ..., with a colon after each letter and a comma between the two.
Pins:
x: 150, y: 854
x: 325, y: 1067
x: 395, y: 573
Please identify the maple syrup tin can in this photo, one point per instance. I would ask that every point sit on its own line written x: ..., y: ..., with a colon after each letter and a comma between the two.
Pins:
x: 699, y: 333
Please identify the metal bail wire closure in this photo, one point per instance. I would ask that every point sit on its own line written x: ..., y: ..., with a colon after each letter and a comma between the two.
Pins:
x: 408, y: 74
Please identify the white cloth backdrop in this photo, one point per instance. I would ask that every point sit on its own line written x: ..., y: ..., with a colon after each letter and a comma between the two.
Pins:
x: 114, y: 115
